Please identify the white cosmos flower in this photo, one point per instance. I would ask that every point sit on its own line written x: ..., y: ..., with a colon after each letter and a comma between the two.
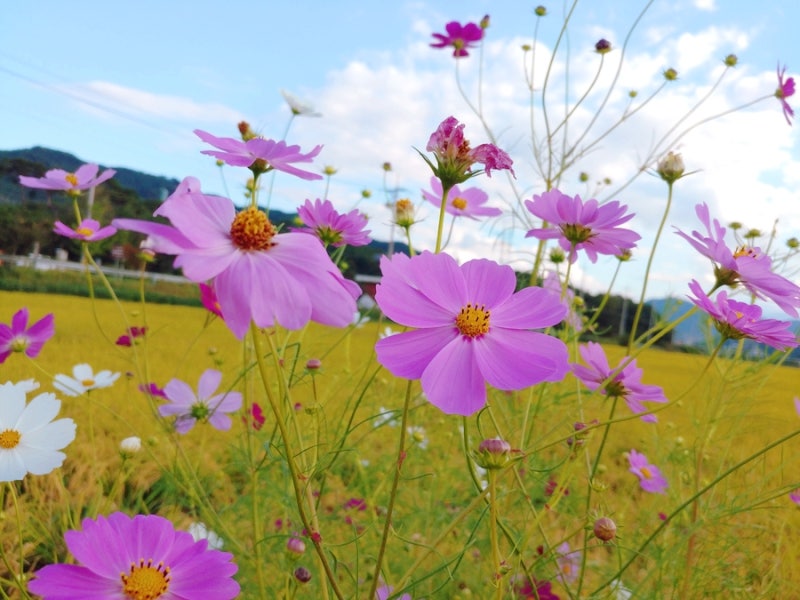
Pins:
x: 29, y: 438
x: 83, y: 379
x: 200, y: 531
x: 299, y: 107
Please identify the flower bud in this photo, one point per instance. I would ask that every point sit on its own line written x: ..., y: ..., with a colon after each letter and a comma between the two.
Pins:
x: 387, y: 166
x: 605, y: 529
x: 295, y: 546
x: 245, y: 131
x: 670, y: 74
x: 493, y: 453
x: 484, y: 24
x: 583, y: 177
x: 557, y: 256
x: 793, y: 243
x: 603, y: 46
x: 329, y: 170
x: 404, y: 213
x: 302, y: 574
x: 526, y: 47
x: 633, y: 94
x: 731, y: 60
x: 671, y: 167
x: 130, y: 446
x: 753, y: 234
x: 366, y: 194
x: 313, y: 364
x: 540, y: 11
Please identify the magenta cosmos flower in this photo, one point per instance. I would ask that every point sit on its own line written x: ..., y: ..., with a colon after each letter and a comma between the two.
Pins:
x: 627, y: 384
x: 331, y: 227
x: 650, y: 477
x: 469, y: 202
x: 747, y: 266
x: 737, y: 320
x: 89, y: 230
x: 591, y: 226
x: 258, y: 274
x: 460, y: 37
x: 205, y: 405
x: 59, y: 180
x: 18, y: 337
x: 454, y: 157
x: 471, y: 329
x: 785, y: 90
x: 260, y: 154
x: 209, y: 299
x: 139, y: 558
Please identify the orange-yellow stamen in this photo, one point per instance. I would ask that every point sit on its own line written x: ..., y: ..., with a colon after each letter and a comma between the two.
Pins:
x: 145, y: 581
x: 87, y: 382
x: 473, y: 320
x: 646, y: 473
x: 84, y: 231
x: 745, y: 251
x: 251, y: 230
x: 71, y: 179
x: 459, y: 203
x: 9, y: 439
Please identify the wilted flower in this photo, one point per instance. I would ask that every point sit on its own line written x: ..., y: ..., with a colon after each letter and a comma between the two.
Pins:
x: 137, y: 558
x: 260, y: 154
x: 259, y: 275
x: 650, y: 477
x: 30, y: 441
x: 454, y: 157
x: 89, y: 230
x: 404, y: 213
x: 590, y: 226
x: 461, y: 203
x: 460, y: 37
x: 737, y: 320
x: 784, y: 91
x: 747, y: 266
x: 627, y: 384
x: 492, y: 339
x: 189, y: 407
x: 18, y: 337
x: 72, y: 183
x: 331, y: 227
x: 84, y: 380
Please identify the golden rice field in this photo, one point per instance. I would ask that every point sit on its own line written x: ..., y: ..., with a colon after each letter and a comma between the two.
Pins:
x: 745, y: 530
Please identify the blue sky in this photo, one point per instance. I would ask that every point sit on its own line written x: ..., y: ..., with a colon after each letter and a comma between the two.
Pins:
x: 124, y: 84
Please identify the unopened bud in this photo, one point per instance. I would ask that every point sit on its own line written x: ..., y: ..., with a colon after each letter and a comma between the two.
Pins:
x: 387, y: 166
x: 485, y: 22
x: 404, y: 213
x: 366, y: 194
x: 624, y: 255
x: 633, y: 94
x: 130, y: 446
x: 793, y: 243
x: 295, y: 546
x: 313, y: 364
x: 540, y: 11
x: 731, y: 60
x: 670, y: 74
x: 245, y: 131
x: 557, y: 256
x: 603, y: 46
x: 302, y: 574
x: 671, y: 167
x: 583, y: 177
x: 605, y: 529
x: 328, y: 170
x: 493, y: 453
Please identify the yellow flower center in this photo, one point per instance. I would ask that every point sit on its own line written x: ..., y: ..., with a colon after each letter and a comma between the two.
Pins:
x: 745, y: 251
x: 84, y: 231
x: 87, y: 382
x: 459, y: 203
x: 71, y: 179
x: 19, y: 344
x: 251, y: 230
x: 646, y: 473
x: 9, y: 439
x: 473, y: 320
x: 145, y: 581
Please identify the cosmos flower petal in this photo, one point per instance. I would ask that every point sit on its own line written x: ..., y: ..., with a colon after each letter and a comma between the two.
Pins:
x: 488, y: 285
x: 464, y: 394
x: 513, y: 360
x: 530, y: 308
x: 408, y: 354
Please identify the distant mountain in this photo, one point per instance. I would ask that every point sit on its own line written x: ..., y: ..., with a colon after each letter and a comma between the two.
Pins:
x: 147, y: 187
x: 698, y: 331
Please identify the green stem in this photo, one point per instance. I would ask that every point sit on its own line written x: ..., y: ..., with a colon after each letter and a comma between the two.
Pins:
x: 440, y: 226
x: 497, y: 576
x: 640, y: 307
x: 387, y: 524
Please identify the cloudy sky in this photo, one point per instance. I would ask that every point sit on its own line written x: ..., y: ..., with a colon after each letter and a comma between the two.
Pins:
x: 124, y: 84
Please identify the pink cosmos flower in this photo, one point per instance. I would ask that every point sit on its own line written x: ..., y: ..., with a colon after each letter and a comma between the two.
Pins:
x: 627, y: 384
x: 189, y: 407
x: 533, y: 589
x: 384, y: 591
x: 650, y: 477
x: 785, y: 90
x: 552, y: 282
x: 747, y: 266
x: 57, y: 179
x: 332, y: 227
x: 141, y: 557
x: 591, y: 226
x: 89, y: 230
x: 260, y: 154
x: 736, y: 320
x: 209, y: 299
x: 471, y: 329
x: 461, y: 203
x: 460, y: 37
x: 454, y: 157
x: 569, y: 563
x: 20, y: 338
x: 258, y: 274
x: 795, y: 496
x: 152, y: 389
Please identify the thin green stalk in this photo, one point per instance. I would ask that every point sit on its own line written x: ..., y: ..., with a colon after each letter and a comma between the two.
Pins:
x: 440, y: 226
x: 497, y: 576
x: 387, y: 524
x: 640, y: 306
